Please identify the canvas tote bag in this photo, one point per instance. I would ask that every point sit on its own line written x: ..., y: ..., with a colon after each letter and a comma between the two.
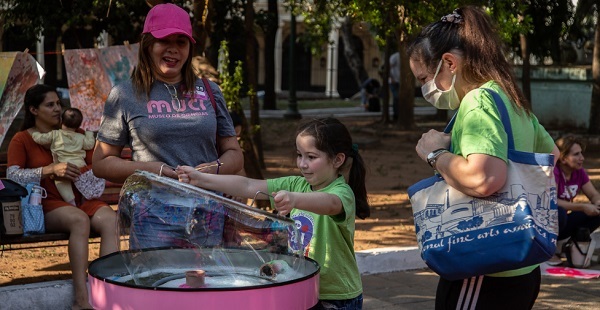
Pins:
x: 460, y: 236
x: 32, y: 210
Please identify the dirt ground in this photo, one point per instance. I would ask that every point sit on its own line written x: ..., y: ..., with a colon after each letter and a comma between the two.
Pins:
x: 392, y: 166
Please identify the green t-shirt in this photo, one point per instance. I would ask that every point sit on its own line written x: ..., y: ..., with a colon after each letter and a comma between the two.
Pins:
x: 478, y: 129
x: 329, y: 240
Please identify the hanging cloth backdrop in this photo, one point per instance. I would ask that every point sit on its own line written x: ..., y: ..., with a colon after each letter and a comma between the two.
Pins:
x: 18, y: 72
x: 92, y: 73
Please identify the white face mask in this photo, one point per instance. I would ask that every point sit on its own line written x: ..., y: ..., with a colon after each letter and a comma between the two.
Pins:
x: 441, y: 99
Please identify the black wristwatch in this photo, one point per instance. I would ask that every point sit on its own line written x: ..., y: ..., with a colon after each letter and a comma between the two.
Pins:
x: 433, y: 156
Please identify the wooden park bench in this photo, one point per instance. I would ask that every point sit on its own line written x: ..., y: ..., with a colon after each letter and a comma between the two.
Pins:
x: 8, y: 240
x: 110, y: 196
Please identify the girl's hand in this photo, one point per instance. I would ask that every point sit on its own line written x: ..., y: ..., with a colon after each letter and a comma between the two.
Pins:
x: 591, y: 209
x: 284, y: 202
x: 65, y: 171
x: 431, y: 141
x: 183, y: 173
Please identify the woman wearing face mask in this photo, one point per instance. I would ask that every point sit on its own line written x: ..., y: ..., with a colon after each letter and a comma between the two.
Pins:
x: 455, y: 58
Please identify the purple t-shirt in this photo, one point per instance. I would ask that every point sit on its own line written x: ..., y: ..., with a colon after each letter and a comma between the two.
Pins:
x: 568, y: 190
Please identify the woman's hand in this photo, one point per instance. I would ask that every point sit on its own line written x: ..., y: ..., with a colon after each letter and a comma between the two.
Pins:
x: 591, y: 209
x: 431, y: 141
x: 65, y: 170
x: 165, y: 170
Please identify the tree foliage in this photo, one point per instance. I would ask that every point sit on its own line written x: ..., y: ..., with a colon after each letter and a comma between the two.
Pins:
x: 318, y: 18
x: 231, y: 86
x: 123, y: 20
x: 545, y: 24
x: 231, y: 83
x: 585, y: 20
x: 227, y: 18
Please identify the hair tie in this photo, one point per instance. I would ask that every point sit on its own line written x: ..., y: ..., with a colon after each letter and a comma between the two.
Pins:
x: 453, y: 17
x: 161, y: 169
x: 355, y: 148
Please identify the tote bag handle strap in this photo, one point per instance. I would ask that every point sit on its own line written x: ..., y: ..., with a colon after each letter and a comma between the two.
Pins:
x: 448, y: 128
x: 503, y: 117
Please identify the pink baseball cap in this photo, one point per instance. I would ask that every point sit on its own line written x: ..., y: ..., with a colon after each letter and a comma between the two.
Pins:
x: 167, y: 19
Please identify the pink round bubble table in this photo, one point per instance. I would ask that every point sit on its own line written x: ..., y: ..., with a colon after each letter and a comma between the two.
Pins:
x: 238, y: 287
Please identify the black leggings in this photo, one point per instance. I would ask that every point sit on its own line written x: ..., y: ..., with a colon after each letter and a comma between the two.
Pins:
x: 485, y: 292
x: 569, y: 223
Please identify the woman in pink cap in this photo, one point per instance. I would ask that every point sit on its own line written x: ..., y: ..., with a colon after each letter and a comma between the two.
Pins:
x: 169, y: 117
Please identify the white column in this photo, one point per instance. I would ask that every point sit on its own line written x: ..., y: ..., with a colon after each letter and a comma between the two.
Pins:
x: 59, y: 59
x: 102, y: 39
x: 332, y: 64
x: 39, y: 51
x: 278, y: 57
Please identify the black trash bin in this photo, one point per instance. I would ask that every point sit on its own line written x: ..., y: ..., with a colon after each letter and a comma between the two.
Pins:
x: 10, y: 202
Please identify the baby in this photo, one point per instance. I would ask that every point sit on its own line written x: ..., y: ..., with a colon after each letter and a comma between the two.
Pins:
x: 67, y: 145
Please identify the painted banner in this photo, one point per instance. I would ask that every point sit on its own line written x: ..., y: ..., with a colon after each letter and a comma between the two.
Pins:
x: 118, y: 61
x: 18, y: 72
x: 92, y: 73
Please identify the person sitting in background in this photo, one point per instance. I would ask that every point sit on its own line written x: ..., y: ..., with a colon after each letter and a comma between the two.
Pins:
x: 31, y: 162
x: 67, y: 146
x: 370, y: 95
x: 571, y: 179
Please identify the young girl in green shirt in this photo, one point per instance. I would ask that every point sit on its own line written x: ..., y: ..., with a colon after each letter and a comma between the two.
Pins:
x: 321, y: 202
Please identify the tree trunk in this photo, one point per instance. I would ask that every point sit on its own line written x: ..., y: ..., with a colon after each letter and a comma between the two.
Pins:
x: 406, y: 109
x: 594, y: 127
x: 270, y: 100
x: 350, y: 52
x: 1, y: 34
x: 525, y: 74
x: 252, y: 84
x: 385, y: 86
x: 200, y: 27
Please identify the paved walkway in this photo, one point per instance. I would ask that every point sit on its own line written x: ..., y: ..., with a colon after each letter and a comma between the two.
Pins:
x: 415, y: 289
x: 397, y: 278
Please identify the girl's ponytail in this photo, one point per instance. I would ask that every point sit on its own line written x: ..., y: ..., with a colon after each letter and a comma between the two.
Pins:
x: 356, y: 181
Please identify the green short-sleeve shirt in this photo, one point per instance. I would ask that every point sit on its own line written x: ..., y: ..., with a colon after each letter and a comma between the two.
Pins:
x: 478, y: 129
x: 329, y: 240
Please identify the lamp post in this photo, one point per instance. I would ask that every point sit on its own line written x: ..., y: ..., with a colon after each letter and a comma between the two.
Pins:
x: 292, y: 110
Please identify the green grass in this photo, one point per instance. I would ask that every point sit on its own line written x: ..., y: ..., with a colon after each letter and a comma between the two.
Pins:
x: 282, y: 104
